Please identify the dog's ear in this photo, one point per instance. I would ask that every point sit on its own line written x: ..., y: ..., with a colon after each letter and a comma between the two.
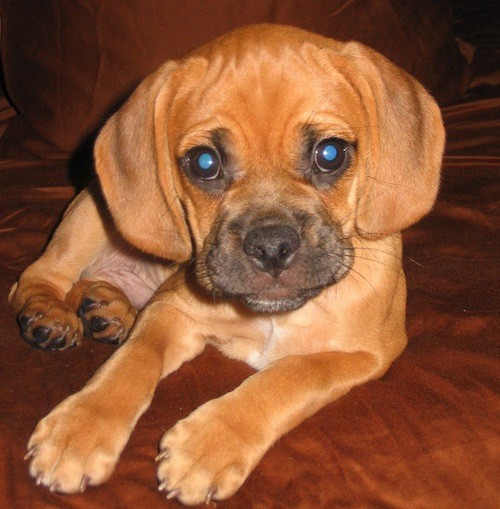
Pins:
x: 404, y: 143
x: 134, y: 168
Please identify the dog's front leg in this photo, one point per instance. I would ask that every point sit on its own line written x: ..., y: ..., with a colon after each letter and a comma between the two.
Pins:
x: 209, y: 454
x: 80, y: 441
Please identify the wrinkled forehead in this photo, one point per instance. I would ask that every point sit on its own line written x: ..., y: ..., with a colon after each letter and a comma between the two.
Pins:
x: 263, y: 95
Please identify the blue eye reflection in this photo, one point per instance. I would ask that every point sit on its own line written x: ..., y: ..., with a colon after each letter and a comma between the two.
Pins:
x: 204, y: 163
x: 329, y: 153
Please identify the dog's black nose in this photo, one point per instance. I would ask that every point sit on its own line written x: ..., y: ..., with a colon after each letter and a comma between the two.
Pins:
x: 271, y: 248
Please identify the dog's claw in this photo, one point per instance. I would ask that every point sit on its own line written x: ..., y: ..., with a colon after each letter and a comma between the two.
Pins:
x: 162, y: 455
x: 31, y: 453
x: 39, y: 479
x: 85, y: 483
x: 173, y: 494
x: 74, y: 340
x: 55, y: 486
x: 210, y: 495
x: 162, y: 486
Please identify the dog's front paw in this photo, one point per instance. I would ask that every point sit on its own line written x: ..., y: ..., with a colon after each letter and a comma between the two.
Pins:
x: 106, y: 313
x: 205, y: 457
x: 75, y: 446
x: 50, y: 324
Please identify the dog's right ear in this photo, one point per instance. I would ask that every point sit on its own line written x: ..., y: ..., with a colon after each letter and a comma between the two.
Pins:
x: 134, y: 169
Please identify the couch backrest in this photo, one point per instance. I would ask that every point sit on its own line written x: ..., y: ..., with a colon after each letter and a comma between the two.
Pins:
x: 68, y: 63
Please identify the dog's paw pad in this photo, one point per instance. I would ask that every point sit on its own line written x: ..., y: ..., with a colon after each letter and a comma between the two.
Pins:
x: 49, y: 324
x: 106, y: 313
x: 98, y: 324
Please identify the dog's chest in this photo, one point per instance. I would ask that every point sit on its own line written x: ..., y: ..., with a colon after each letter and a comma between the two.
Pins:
x: 259, y: 358
x: 269, y: 339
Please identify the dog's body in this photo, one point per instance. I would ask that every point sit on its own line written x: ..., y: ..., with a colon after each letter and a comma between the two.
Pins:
x: 263, y: 181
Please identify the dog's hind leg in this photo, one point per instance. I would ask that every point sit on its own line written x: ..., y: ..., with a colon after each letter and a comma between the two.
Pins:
x: 45, y: 318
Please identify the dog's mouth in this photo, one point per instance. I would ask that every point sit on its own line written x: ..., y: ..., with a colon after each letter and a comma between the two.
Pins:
x: 275, y: 302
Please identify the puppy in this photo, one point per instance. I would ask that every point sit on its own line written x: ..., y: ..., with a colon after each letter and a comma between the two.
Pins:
x: 257, y: 191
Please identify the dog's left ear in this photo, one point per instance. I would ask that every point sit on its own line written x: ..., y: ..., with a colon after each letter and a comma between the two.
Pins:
x: 404, y: 144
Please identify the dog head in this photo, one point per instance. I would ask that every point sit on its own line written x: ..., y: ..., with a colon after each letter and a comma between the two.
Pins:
x: 261, y: 155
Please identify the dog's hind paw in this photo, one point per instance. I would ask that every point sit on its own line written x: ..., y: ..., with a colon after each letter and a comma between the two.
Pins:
x: 49, y: 324
x: 106, y: 313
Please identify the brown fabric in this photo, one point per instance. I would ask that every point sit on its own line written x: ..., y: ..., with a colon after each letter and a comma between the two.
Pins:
x: 425, y: 436
x: 68, y: 63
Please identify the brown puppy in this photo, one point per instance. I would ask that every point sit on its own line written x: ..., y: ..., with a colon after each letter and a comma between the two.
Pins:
x: 266, y: 178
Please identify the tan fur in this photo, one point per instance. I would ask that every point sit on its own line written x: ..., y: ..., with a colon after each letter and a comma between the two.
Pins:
x: 261, y: 84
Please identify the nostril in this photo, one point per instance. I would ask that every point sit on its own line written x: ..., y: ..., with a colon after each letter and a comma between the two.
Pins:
x: 285, y: 249
x: 271, y: 247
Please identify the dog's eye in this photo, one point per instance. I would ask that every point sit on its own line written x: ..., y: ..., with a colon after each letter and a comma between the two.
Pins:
x: 204, y: 163
x: 331, y: 155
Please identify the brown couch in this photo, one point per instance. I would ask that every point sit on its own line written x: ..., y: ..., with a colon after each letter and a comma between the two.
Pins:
x: 427, y: 434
